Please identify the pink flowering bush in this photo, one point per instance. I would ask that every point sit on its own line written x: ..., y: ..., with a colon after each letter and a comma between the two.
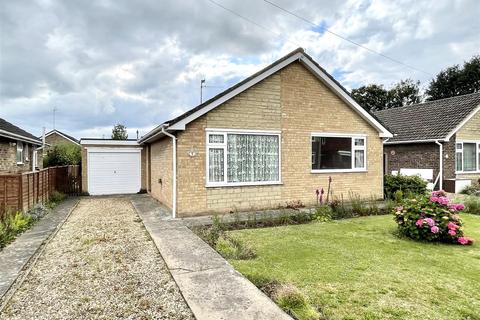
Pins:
x: 431, y: 218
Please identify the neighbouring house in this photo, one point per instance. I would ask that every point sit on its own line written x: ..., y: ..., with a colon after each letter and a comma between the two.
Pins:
x: 442, y: 135
x: 18, y: 149
x: 275, y: 137
x: 56, y: 137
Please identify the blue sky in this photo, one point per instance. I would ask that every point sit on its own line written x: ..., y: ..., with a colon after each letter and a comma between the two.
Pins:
x: 140, y: 63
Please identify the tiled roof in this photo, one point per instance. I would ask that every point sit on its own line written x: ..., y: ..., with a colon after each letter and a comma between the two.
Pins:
x: 430, y: 120
x: 13, y: 129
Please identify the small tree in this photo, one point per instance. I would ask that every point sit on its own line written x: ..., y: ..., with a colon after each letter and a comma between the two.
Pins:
x: 119, y: 132
x: 62, y: 155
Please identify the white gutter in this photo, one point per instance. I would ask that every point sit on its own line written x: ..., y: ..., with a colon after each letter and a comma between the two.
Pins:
x: 15, y: 136
x: 440, y: 173
x: 415, y: 141
x: 174, y: 165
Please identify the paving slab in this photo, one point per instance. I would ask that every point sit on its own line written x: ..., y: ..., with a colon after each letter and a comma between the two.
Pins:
x: 210, y: 285
x: 16, y: 255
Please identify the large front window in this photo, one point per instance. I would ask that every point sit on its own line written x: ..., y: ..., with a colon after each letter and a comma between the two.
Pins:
x: 338, y: 153
x: 243, y: 158
x: 467, y: 154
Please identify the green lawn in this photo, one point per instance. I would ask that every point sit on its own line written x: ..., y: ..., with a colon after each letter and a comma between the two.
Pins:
x: 358, y: 269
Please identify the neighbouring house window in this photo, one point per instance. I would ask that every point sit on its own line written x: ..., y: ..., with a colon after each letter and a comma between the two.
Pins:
x: 467, y: 156
x: 19, y: 152
x: 26, y: 152
x: 338, y: 153
x: 236, y: 158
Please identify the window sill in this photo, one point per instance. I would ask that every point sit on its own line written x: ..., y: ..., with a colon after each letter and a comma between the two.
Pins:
x: 243, y: 184
x: 19, y: 163
x: 339, y: 171
x: 466, y: 172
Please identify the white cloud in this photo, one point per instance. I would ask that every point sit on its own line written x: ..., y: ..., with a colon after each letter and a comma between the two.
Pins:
x: 140, y: 63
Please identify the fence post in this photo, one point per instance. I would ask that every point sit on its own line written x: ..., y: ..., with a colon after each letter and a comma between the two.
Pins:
x: 20, y: 193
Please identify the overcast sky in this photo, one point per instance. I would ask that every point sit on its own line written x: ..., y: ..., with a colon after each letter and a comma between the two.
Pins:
x: 140, y: 62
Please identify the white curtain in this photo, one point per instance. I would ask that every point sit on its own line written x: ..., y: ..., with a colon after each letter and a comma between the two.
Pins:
x: 252, y: 158
x: 469, y: 157
x: 359, y: 158
x: 215, y: 165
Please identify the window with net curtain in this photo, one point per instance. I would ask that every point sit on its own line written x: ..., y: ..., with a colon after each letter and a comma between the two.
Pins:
x: 467, y: 156
x: 243, y: 158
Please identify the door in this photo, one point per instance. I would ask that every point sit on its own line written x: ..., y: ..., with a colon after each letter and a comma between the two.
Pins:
x: 113, y: 171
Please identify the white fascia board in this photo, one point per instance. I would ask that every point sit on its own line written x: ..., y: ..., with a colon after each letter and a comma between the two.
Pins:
x: 383, y: 132
x: 470, y: 116
x: 182, y: 123
x: 110, y: 142
x: 416, y: 141
x: 14, y: 136
x: 116, y: 150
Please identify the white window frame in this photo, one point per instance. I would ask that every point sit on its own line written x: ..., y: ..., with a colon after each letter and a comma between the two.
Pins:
x: 25, y: 152
x: 461, y: 150
x: 19, y: 149
x: 225, y: 132
x: 353, y: 136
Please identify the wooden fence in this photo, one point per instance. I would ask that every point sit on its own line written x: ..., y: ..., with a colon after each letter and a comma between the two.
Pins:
x: 22, y: 191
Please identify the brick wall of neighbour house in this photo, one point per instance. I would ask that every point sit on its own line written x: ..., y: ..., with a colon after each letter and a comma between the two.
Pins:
x: 161, y: 183
x: 55, y: 139
x: 412, y: 156
x: 84, y: 165
x: 295, y: 102
x: 470, y: 131
x: 8, y: 157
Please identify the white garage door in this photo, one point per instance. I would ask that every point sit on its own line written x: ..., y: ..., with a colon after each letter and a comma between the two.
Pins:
x: 113, y: 171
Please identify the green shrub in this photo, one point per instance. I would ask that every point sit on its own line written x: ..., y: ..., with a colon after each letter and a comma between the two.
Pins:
x: 57, y: 197
x: 294, y: 302
x: 11, y: 224
x: 232, y: 248
x: 323, y: 213
x: 431, y: 219
x: 62, y: 154
x: 472, y: 205
x: 473, y: 189
x: 408, y: 185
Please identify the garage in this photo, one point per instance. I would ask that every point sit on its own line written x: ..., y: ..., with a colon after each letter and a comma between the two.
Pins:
x: 111, y: 166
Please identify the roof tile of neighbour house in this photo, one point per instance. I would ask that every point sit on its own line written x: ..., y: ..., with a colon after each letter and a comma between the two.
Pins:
x: 302, y: 56
x: 10, y: 130
x: 433, y: 120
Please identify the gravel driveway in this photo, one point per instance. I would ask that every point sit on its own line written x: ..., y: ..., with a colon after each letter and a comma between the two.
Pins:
x: 102, y: 265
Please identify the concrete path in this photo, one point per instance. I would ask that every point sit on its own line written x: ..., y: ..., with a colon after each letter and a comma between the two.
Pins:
x: 15, y: 256
x: 209, y: 284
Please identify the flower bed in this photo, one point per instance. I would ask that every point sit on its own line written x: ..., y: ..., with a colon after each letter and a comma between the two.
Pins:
x: 432, y: 219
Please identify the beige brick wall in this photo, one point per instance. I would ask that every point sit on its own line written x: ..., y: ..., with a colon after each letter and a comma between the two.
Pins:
x: 84, y: 165
x: 296, y: 103
x: 161, y: 169
x: 470, y: 131
x: 8, y: 157
x: 55, y: 139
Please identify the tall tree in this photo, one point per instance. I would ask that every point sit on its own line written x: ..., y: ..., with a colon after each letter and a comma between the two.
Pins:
x: 375, y: 97
x: 119, y: 132
x: 456, y: 80
x: 404, y: 93
x: 371, y: 97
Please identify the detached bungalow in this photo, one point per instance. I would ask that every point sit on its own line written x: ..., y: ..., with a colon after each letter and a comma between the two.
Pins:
x: 441, y: 135
x: 273, y: 138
